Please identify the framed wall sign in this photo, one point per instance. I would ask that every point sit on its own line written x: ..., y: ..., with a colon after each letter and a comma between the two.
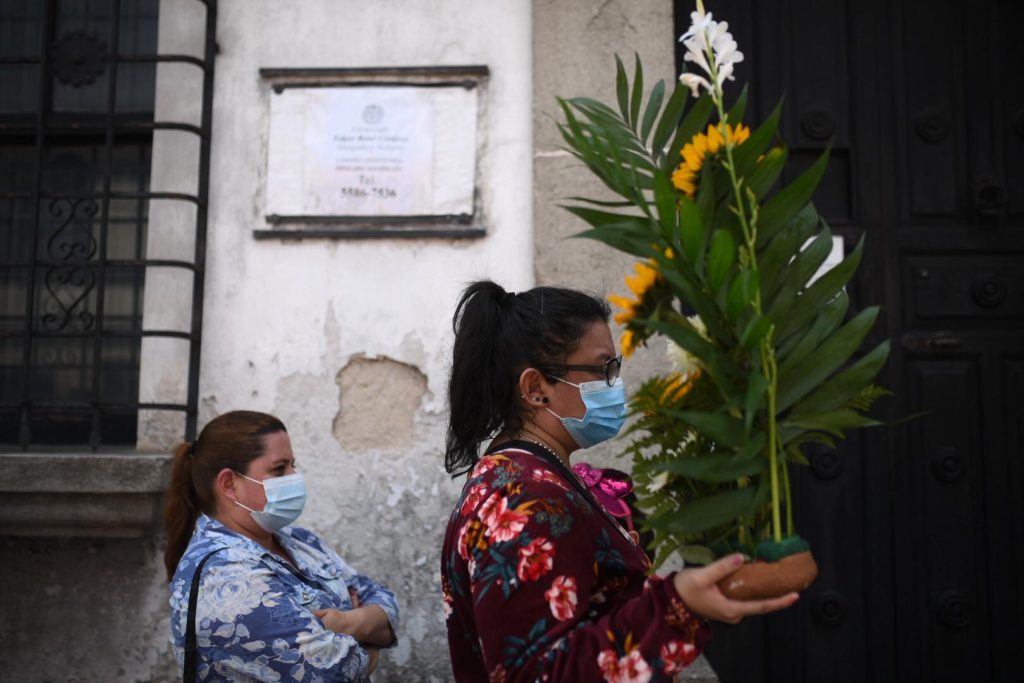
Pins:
x: 377, y: 152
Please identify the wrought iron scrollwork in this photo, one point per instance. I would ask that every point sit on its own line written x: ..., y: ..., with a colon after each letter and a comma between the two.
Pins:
x: 73, y: 240
x: 69, y: 285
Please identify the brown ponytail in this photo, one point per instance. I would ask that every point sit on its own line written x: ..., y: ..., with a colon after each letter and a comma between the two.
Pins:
x: 231, y: 440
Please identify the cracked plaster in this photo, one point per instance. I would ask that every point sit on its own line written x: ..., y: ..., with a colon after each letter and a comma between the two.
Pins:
x: 380, y: 398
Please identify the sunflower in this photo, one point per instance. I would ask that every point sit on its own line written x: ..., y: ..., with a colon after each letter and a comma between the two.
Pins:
x: 696, y: 150
x: 640, y: 283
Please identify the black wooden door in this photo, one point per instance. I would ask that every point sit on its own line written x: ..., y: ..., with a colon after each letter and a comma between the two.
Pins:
x: 918, y: 527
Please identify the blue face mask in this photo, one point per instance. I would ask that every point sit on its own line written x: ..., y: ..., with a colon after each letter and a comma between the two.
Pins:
x: 286, y: 496
x: 606, y: 412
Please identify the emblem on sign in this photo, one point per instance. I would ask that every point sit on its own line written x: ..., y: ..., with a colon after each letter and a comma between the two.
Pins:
x: 373, y: 114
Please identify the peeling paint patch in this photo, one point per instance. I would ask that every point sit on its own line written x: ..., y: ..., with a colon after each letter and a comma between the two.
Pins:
x: 379, y: 401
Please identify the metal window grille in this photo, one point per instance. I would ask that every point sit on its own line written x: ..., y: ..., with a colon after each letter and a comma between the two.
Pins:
x: 77, y: 91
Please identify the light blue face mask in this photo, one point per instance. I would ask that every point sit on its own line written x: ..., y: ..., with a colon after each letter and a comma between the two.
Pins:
x: 606, y: 412
x: 286, y: 496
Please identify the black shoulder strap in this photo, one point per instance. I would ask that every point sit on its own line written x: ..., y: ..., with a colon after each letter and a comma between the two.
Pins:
x: 189, y: 672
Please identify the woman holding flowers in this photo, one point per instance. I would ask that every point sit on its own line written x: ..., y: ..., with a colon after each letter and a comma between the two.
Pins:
x: 539, y: 581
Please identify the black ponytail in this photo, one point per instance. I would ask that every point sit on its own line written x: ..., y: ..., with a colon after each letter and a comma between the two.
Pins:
x: 499, y: 334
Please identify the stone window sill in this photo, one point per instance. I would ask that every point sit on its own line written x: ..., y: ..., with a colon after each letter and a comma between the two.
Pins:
x: 82, y: 494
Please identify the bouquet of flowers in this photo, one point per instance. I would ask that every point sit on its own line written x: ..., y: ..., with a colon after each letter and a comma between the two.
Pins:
x: 759, y: 339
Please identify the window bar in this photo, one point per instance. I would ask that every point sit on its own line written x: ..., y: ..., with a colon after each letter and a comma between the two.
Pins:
x: 25, y: 431
x: 101, y: 281
x: 206, y: 124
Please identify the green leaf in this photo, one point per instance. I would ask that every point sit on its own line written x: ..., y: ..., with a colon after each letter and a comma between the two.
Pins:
x: 773, y: 259
x: 717, y: 468
x: 617, y: 204
x: 755, y: 331
x: 697, y: 554
x: 688, y: 339
x: 669, y: 120
x: 825, y: 360
x: 746, y: 154
x: 795, y: 350
x: 619, y: 237
x: 721, y: 258
x: 757, y: 385
x: 833, y: 422
x: 830, y: 317
x: 742, y: 293
x: 596, y: 108
x: 638, y: 92
x: 707, y: 513
x: 847, y: 384
x: 721, y: 428
x: 622, y: 88
x: 767, y: 171
x: 739, y: 108
x: 651, y: 113
x: 692, y: 234
x: 812, y: 257
x: 783, y: 206
x: 689, y: 290
x: 806, y: 306
x: 694, y: 121
x: 665, y: 198
x: 597, y: 218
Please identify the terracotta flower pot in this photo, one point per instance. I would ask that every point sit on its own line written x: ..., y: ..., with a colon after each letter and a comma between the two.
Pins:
x: 760, y: 580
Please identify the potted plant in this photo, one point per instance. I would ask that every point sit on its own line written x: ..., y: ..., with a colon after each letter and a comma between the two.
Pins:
x: 760, y: 340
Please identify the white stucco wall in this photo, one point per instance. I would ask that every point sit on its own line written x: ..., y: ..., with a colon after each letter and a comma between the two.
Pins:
x: 347, y: 341
x: 283, y: 319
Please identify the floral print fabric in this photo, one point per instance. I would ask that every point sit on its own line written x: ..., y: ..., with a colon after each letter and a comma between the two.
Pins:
x: 539, y: 584
x: 254, y: 617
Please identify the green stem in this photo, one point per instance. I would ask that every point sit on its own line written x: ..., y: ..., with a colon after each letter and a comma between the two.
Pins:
x: 769, y: 366
x: 771, y: 371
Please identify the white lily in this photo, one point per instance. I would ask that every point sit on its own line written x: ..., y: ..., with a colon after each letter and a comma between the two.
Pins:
x: 710, y: 46
x: 694, y: 82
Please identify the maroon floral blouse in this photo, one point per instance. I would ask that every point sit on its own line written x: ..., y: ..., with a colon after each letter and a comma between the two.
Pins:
x: 540, y: 584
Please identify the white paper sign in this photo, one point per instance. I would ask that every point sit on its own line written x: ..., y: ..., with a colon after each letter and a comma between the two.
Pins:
x: 372, y: 151
x: 369, y: 151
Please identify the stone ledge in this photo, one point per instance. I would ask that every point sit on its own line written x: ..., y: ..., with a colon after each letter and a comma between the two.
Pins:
x: 82, y: 494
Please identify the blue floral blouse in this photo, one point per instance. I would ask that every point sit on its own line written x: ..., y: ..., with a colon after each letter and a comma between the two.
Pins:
x: 254, y: 619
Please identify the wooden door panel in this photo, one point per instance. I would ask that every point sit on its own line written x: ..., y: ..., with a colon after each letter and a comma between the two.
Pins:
x: 917, y: 527
x: 929, y: 68
x: 942, y: 543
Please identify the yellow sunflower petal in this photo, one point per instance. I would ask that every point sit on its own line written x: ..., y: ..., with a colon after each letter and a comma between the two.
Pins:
x: 621, y: 301
x: 693, y: 158
x: 623, y: 317
x: 627, y: 343
x: 715, y: 139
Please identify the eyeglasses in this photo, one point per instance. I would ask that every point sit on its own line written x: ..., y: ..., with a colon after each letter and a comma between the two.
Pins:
x: 609, y: 369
